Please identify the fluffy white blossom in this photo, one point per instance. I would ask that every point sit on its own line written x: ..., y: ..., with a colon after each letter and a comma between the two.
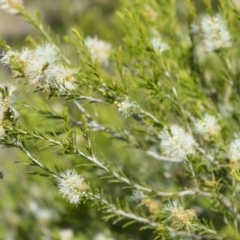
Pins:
x: 32, y: 64
x: 11, y: 6
x: 178, y: 216
x: 72, y: 186
x: 17, y: 60
x: 66, y: 234
x: 99, y: 49
x: 48, y: 52
x: 234, y: 150
x: 41, y: 68
x: 137, y: 196
x: 63, y: 77
x: 158, y: 45
x: 213, y: 32
x: 176, y: 143
x: 207, y: 127
x: 44, y: 57
x: 127, y: 107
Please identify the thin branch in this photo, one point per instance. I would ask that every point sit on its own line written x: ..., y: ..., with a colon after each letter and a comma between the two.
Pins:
x: 34, y: 160
x: 162, y: 158
x: 123, y: 179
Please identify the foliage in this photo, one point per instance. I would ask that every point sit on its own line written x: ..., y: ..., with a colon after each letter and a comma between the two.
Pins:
x: 141, y: 132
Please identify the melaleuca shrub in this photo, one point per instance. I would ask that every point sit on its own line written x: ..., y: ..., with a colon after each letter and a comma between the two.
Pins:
x: 138, y: 125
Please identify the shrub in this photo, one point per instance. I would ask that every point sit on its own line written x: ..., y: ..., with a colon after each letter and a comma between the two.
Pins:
x: 144, y: 129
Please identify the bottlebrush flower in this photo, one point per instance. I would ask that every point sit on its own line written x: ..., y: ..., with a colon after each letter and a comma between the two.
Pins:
x: 126, y: 107
x: 11, y: 6
x: 72, y: 186
x: 62, y: 77
x: 178, y: 216
x: 99, y: 49
x: 176, y: 143
x: 40, y: 67
x: 207, y: 127
x: 213, y: 32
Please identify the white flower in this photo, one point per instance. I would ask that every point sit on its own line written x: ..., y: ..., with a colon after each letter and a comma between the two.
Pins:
x: 207, y: 127
x: 176, y: 143
x: 66, y: 234
x: 72, y: 186
x: 137, y: 196
x: 127, y: 107
x: 44, y: 57
x: 99, y: 49
x: 11, y: 6
x: 159, y: 45
x: 178, y: 216
x: 48, y: 52
x: 234, y: 150
x: 213, y: 32
x: 33, y: 64
x: 41, y: 68
x: 62, y: 77
x: 7, y: 56
x: 17, y: 59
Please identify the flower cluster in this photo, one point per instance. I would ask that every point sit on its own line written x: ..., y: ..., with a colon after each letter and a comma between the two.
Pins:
x: 11, y: 6
x: 213, y: 32
x: 126, y: 107
x: 7, y: 111
x: 41, y: 68
x: 72, y: 186
x: 99, y: 49
x: 179, y: 217
x: 207, y: 127
x: 234, y: 150
x: 176, y: 143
